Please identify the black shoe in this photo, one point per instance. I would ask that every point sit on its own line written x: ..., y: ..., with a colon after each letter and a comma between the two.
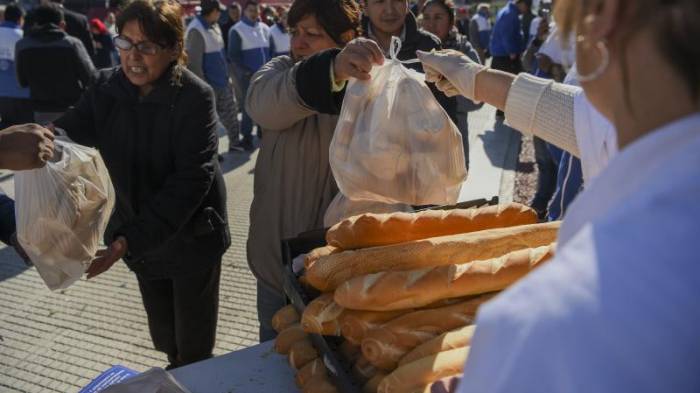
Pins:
x: 247, y: 145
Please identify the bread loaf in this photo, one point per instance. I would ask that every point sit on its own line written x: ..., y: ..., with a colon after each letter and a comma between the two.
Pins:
x: 386, y: 291
x: 322, y: 316
x: 458, y: 338
x: 371, y: 230
x: 332, y: 270
x: 373, y: 384
x: 385, y: 346
x: 284, y: 317
x: 355, y: 324
x: 301, y: 353
x: 287, y: 338
x: 320, y: 384
x: 418, y: 375
x: 310, y: 370
x: 317, y: 253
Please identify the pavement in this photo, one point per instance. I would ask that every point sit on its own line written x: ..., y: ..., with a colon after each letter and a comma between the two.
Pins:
x: 59, y: 341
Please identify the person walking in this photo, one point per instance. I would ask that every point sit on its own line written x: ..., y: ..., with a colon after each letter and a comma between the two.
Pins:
x: 104, y: 46
x: 248, y: 50
x: 279, y: 36
x: 205, y: 58
x: 55, y: 66
x: 480, y: 30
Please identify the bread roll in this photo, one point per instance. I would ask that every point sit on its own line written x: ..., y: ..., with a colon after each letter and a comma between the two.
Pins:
x: 287, y: 338
x: 373, y: 384
x: 420, y: 374
x: 322, y: 316
x: 285, y: 317
x: 310, y: 370
x: 332, y: 270
x: 371, y: 230
x: 458, y: 338
x: 355, y: 324
x: 385, y: 346
x: 301, y: 353
x: 317, y: 253
x: 320, y: 384
x: 363, y: 370
x: 386, y: 291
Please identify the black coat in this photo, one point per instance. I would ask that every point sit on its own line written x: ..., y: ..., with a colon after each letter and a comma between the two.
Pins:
x: 161, y: 153
x: 76, y: 26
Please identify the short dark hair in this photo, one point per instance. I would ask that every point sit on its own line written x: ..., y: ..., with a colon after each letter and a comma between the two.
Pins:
x: 447, y: 5
x: 13, y: 12
x: 47, y: 14
x: 336, y: 17
x: 161, y: 22
x: 251, y: 2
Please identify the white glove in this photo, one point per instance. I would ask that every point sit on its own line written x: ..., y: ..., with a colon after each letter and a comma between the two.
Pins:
x: 452, y: 72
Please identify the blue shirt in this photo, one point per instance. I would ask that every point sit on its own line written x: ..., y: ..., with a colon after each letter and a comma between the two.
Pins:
x: 10, y: 33
x: 507, y: 36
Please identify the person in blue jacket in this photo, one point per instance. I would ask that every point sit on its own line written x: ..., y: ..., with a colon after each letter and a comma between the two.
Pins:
x: 248, y: 50
x: 507, y: 43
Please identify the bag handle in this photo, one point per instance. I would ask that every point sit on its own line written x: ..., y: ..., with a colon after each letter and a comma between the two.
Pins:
x: 395, y: 48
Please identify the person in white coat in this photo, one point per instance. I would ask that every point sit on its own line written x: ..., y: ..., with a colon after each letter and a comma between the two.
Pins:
x: 617, y: 309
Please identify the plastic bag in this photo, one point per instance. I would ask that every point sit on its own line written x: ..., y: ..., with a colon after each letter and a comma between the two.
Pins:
x: 342, y: 207
x: 155, y: 380
x: 394, y: 143
x: 62, y: 211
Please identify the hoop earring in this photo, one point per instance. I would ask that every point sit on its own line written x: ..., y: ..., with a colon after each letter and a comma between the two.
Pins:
x: 604, y: 63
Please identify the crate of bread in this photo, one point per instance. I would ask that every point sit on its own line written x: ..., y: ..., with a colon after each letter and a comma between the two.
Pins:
x: 387, y: 302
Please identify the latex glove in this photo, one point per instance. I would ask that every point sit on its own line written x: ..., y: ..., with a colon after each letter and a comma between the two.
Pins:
x: 452, y: 72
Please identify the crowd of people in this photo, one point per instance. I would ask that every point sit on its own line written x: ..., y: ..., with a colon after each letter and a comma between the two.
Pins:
x: 611, y: 92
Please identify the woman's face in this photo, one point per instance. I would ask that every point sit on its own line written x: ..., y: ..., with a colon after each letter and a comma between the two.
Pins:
x: 436, y: 21
x: 387, y: 16
x: 143, y: 69
x: 308, y: 38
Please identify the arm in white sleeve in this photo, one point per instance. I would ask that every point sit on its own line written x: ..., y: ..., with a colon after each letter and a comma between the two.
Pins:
x: 545, y: 109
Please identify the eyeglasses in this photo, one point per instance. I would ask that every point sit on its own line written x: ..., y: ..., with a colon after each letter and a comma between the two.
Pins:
x: 144, y: 47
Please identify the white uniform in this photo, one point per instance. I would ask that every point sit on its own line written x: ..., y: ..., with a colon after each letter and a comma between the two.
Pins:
x: 618, y: 308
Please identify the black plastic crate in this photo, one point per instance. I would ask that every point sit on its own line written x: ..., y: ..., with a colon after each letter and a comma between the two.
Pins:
x: 299, y: 296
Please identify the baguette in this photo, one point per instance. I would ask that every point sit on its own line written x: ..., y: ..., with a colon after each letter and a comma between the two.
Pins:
x: 320, y: 384
x: 310, y: 370
x: 386, y: 291
x: 321, y: 316
x: 317, y: 253
x: 373, y: 384
x: 371, y: 230
x: 284, y: 318
x: 385, y: 346
x: 332, y: 270
x: 301, y: 353
x: 420, y: 374
x: 355, y: 324
x: 288, y: 337
x: 458, y: 338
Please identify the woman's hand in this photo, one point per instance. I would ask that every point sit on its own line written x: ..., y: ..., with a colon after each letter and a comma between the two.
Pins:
x: 357, y: 59
x: 452, y: 72
x: 106, y: 258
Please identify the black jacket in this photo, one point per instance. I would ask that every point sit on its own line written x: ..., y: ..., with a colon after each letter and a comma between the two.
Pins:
x: 161, y: 153
x: 76, y: 26
x: 313, y: 73
x: 54, y: 66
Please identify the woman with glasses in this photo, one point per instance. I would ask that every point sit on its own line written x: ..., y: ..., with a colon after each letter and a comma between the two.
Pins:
x: 154, y: 123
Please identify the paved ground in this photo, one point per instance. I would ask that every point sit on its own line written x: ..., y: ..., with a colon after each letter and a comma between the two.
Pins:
x: 59, y: 341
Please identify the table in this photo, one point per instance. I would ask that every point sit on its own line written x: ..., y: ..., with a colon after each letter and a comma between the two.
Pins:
x: 257, y: 369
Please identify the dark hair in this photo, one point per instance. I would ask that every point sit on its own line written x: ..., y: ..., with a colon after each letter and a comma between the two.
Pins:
x: 234, y: 5
x: 337, y: 17
x: 161, y: 22
x: 47, y: 14
x: 250, y: 2
x: 676, y: 27
x: 13, y: 12
x: 446, y: 5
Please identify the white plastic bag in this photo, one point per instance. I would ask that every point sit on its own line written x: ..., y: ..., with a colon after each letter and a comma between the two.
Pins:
x: 342, y: 207
x: 62, y: 211
x: 394, y: 143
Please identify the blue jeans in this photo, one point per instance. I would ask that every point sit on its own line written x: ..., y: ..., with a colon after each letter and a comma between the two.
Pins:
x: 269, y: 302
x: 8, y: 225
